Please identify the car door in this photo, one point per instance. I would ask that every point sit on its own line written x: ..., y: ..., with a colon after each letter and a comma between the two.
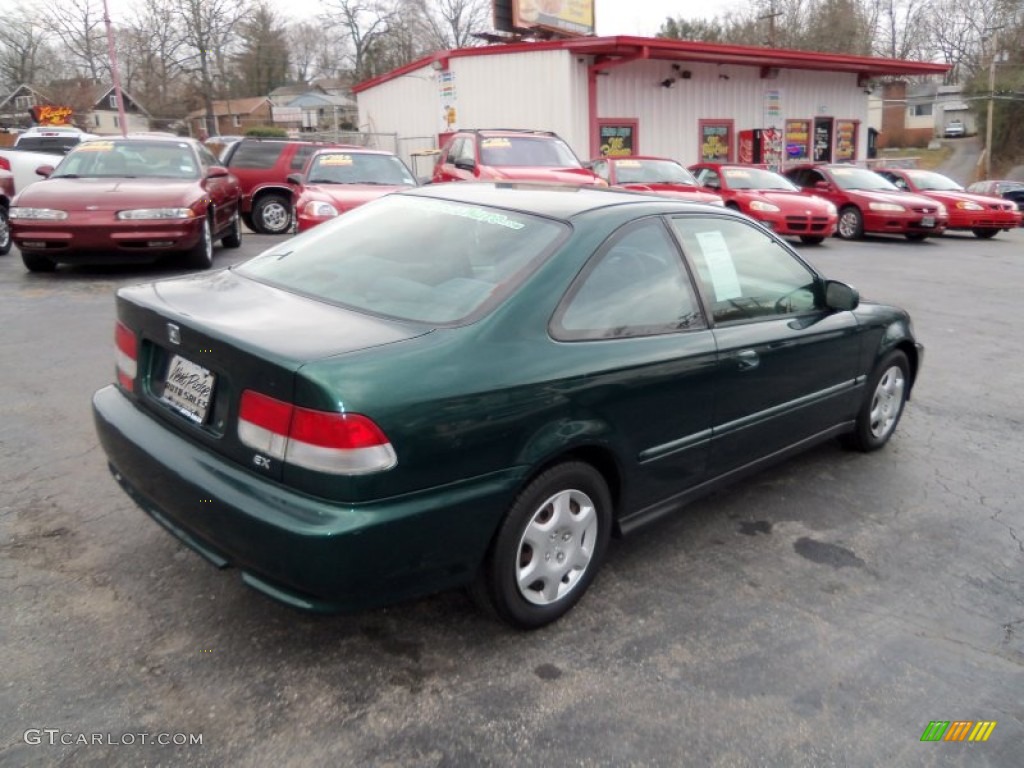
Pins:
x: 634, y: 316
x: 788, y: 365
x: 220, y: 190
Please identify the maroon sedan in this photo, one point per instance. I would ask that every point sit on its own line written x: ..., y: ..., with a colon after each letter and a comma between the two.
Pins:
x: 770, y: 198
x: 338, y: 180
x: 659, y: 175
x: 868, y: 203
x: 126, y: 200
x: 984, y: 215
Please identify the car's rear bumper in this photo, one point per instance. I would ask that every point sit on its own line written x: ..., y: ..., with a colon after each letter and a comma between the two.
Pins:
x: 308, y: 552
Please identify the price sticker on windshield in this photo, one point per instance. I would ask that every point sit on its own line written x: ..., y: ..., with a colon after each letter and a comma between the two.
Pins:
x: 96, y: 146
x: 495, y: 143
x: 336, y: 160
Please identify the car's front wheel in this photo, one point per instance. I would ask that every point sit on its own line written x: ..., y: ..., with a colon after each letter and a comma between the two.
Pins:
x: 233, y: 239
x: 985, y: 234
x: 272, y: 215
x: 201, y: 255
x: 35, y: 262
x: 811, y: 239
x: 851, y: 223
x: 5, y: 232
x: 548, y: 548
x: 883, y: 405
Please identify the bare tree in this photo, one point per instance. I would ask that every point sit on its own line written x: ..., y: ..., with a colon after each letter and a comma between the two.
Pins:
x: 24, y: 50
x: 79, y: 26
x: 207, y: 27
x: 451, y: 23
x: 361, y: 23
x: 154, y: 55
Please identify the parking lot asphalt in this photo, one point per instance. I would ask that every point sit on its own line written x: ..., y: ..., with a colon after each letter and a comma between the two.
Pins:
x: 822, y: 613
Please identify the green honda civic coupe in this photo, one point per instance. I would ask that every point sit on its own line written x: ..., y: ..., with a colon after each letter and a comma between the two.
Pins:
x: 478, y: 385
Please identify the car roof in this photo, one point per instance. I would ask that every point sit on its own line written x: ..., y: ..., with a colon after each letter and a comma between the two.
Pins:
x: 510, y: 132
x: 562, y: 201
x: 149, y: 138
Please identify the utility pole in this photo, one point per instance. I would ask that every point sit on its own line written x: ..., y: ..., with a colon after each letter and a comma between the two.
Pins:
x: 115, y: 73
x: 771, y: 16
x: 991, y: 102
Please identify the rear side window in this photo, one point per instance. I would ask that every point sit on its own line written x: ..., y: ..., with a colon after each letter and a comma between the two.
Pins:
x: 257, y: 154
x: 302, y: 154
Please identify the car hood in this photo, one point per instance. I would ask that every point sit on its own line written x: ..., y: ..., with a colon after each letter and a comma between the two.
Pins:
x: 256, y: 316
x: 785, y: 198
x: 108, y: 194
x: 579, y: 176
x: 682, y: 191
x: 899, y: 198
x: 950, y: 198
x: 346, y: 196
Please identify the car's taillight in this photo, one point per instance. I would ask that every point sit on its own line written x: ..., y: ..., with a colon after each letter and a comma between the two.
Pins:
x: 324, y: 441
x: 127, y: 356
x: 5, y: 164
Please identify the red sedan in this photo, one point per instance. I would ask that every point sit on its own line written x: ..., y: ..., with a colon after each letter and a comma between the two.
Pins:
x: 116, y: 201
x: 771, y: 199
x: 338, y: 180
x: 659, y: 175
x: 867, y: 203
x: 983, y: 215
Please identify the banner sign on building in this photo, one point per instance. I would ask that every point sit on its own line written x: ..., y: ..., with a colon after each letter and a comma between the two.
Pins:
x: 448, y: 100
x: 565, y: 18
x: 45, y: 114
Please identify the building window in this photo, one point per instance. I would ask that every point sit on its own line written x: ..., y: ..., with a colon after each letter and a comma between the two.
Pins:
x: 117, y: 122
x: 96, y: 120
x: 112, y: 101
x: 921, y: 110
x: 236, y: 121
x: 24, y: 102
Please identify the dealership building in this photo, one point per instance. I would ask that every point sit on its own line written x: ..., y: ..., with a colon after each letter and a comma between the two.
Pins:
x: 687, y: 100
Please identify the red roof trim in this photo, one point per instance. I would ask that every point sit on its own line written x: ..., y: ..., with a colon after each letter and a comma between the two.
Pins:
x: 684, y: 50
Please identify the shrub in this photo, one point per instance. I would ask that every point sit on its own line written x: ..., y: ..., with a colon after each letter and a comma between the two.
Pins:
x: 267, y: 131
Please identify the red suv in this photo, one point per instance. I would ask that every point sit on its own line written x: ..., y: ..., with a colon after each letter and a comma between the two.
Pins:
x: 868, y: 203
x: 262, y: 167
x: 511, y: 155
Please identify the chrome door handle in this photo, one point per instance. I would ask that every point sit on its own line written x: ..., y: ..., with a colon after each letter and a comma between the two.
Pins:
x: 747, y: 360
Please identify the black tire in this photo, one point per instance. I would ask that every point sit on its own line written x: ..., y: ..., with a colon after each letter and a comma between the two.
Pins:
x: 233, y: 239
x: 884, y: 399
x: 734, y: 206
x: 916, y: 237
x: 571, y: 507
x: 811, y: 239
x: 247, y: 220
x: 201, y: 255
x: 985, y: 234
x: 272, y: 215
x: 35, y: 262
x: 5, y: 232
x: 851, y: 223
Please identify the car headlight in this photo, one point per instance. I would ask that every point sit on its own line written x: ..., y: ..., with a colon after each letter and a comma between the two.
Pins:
x: 155, y: 213
x: 943, y: 212
x: 967, y: 205
x: 758, y: 205
x: 889, y: 207
x: 830, y: 207
x: 320, y: 209
x: 37, y: 214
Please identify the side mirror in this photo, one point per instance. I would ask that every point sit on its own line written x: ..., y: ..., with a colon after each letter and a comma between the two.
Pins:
x: 295, y: 178
x: 217, y: 172
x: 823, y: 185
x: 44, y: 171
x: 466, y: 165
x: 840, y: 296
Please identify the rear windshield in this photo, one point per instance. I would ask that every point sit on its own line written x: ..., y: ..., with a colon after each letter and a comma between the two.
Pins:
x: 257, y: 154
x: 527, y: 152
x: 57, y: 145
x: 413, y: 258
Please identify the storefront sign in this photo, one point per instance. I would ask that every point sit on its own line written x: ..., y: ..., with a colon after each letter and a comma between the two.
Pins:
x: 846, y: 141
x: 567, y: 17
x: 798, y: 139
x: 448, y: 100
x: 716, y: 141
x: 44, y: 114
x: 618, y: 137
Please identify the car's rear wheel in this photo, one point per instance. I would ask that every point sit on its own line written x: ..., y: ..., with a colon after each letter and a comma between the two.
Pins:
x: 883, y: 405
x: 548, y: 548
x: 851, y: 223
x: 35, y: 262
x: 916, y: 237
x: 811, y: 240
x: 272, y: 215
x: 233, y: 239
x: 201, y: 255
x: 985, y: 234
x: 5, y: 232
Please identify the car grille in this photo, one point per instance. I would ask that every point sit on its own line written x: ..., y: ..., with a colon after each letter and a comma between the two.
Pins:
x: 925, y: 209
x: 807, y: 223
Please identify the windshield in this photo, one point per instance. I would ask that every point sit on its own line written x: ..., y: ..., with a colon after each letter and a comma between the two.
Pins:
x: 359, y: 168
x: 652, y: 172
x: 757, y: 178
x: 414, y: 258
x: 859, y: 178
x: 527, y: 152
x: 130, y: 159
x: 928, y: 180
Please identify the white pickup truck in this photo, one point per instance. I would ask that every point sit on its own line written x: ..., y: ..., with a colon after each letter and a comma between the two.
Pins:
x: 40, y: 145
